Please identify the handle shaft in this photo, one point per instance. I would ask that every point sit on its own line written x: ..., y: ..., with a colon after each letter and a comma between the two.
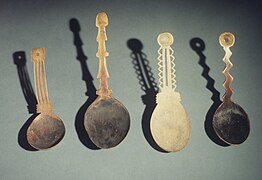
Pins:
x: 38, y: 57
x: 101, y: 23
x: 227, y: 40
x: 166, y: 62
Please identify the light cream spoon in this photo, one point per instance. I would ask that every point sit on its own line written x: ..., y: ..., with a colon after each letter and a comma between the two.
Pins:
x: 169, y: 123
x: 106, y: 120
x: 47, y: 129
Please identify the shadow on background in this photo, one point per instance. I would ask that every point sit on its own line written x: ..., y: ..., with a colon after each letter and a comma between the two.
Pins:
x: 88, y: 79
x: 25, y: 83
x: 198, y: 45
x: 148, y: 85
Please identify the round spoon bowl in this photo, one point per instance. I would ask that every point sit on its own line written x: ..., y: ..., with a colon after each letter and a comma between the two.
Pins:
x: 231, y: 123
x: 107, y: 122
x: 45, y: 131
x: 170, y: 126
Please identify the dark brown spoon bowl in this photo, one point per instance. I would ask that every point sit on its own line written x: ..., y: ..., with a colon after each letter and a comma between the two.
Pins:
x: 231, y: 123
x: 45, y: 131
x: 107, y: 122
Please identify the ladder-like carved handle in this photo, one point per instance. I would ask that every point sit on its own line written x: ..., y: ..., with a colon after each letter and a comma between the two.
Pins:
x: 166, y: 65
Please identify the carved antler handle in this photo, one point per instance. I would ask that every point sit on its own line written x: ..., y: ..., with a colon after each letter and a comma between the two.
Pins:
x: 101, y: 23
x: 43, y: 103
x: 227, y: 40
x: 166, y: 65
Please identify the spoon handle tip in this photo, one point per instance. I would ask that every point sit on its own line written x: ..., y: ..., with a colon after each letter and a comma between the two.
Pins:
x: 227, y: 39
x: 165, y: 39
x: 101, y: 20
x: 38, y: 54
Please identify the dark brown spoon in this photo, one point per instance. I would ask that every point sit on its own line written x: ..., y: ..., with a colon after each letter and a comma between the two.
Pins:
x: 230, y: 121
x: 106, y: 120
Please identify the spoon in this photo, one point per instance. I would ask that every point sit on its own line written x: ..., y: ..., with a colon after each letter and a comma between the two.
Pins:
x: 230, y: 122
x: 169, y: 123
x: 47, y: 129
x: 106, y: 120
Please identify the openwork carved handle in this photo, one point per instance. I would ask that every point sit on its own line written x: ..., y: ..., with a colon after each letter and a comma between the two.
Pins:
x: 166, y: 65
x: 43, y: 103
x: 227, y: 40
x: 101, y: 23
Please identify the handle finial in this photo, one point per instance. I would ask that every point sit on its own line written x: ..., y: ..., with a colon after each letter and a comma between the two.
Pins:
x: 101, y: 20
x: 38, y: 54
x: 165, y: 39
x: 226, y: 39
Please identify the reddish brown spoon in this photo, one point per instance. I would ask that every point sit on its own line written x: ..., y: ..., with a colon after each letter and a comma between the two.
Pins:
x: 230, y: 121
x: 47, y: 129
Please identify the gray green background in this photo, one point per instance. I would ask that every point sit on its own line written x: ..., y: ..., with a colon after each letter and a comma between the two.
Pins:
x: 28, y: 24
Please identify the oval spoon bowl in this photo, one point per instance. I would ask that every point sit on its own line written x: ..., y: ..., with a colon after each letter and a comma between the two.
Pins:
x: 170, y: 126
x: 231, y: 123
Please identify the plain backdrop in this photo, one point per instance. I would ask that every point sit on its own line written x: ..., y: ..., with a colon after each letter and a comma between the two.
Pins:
x: 28, y: 24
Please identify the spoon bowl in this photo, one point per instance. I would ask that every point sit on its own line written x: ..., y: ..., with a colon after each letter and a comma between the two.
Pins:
x: 107, y: 122
x: 45, y: 131
x: 231, y: 123
x: 170, y: 125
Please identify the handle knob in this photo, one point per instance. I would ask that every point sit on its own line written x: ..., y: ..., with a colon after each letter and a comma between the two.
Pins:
x: 165, y: 39
x: 101, y: 20
x: 226, y: 39
x: 38, y: 54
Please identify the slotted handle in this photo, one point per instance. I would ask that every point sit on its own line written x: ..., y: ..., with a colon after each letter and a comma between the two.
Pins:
x: 43, y: 103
